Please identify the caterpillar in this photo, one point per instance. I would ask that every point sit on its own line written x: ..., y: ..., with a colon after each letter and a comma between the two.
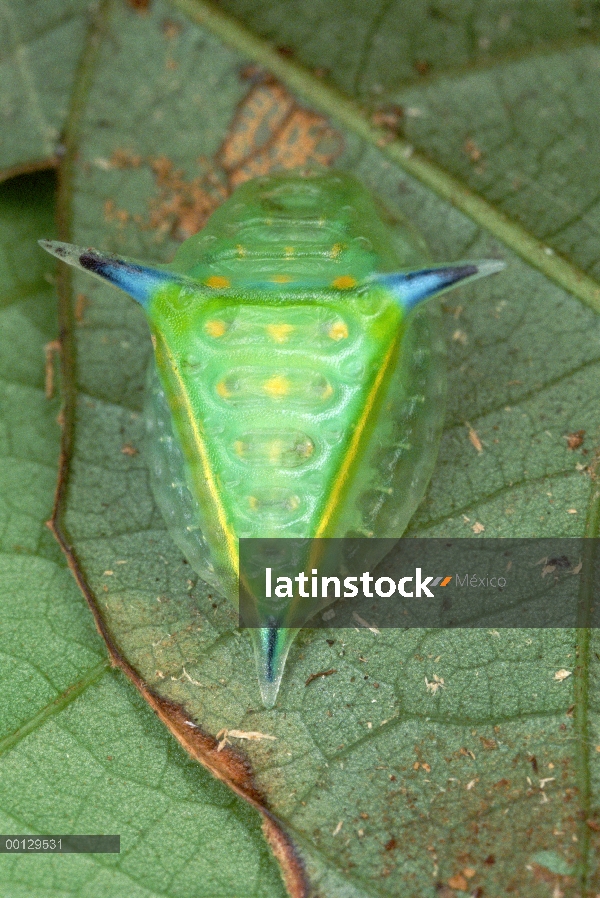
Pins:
x: 293, y: 392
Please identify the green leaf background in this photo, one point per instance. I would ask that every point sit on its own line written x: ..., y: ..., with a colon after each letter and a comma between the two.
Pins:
x: 479, y: 123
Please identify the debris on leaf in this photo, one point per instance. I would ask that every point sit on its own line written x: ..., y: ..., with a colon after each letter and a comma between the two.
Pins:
x: 433, y: 686
x: 562, y: 674
x: 128, y: 449
x: 320, y: 675
x: 225, y: 735
x: 475, y: 441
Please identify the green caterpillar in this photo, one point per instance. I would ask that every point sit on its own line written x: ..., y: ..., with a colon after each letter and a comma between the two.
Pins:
x: 291, y: 395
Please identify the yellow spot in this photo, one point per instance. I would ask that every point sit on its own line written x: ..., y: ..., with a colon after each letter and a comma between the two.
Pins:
x: 338, y: 331
x: 327, y: 392
x: 281, y: 278
x: 217, y: 282
x: 241, y: 251
x: 293, y: 503
x: 345, y: 282
x: 307, y: 449
x: 223, y: 390
x: 335, y: 250
x: 280, y: 332
x: 277, y: 386
x: 275, y: 449
x: 253, y: 502
x: 289, y: 252
x: 153, y: 341
x: 239, y: 448
x: 215, y: 328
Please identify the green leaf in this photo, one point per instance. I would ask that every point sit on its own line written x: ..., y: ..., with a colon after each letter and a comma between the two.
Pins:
x: 40, y: 46
x: 81, y: 751
x: 385, y: 786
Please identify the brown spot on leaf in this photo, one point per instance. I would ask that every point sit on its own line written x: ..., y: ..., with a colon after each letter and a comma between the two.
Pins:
x: 472, y: 150
x: 123, y: 158
x: 112, y: 213
x: 270, y: 132
x: 81, y: 302
x: 171, y: 29
x: 575, y: 439
x: 389, y: 117
x: 458, y: 882
x: 51, y: 349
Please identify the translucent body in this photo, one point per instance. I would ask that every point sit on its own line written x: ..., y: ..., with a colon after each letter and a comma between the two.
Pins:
x: 293, y: 394
x: 320, y: 411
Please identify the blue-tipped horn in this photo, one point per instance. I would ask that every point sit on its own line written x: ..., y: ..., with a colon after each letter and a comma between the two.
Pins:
x: 136, y: 279
x: 411, y: 287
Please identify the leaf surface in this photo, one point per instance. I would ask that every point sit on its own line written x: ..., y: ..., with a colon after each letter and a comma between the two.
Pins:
x: 384, y: 786
x: 40, y: 47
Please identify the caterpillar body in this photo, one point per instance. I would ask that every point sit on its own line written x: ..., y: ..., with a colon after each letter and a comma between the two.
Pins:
x: 293, y: 391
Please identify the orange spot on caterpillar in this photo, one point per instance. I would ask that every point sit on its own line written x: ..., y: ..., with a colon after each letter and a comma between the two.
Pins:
x: 338, y: 331
x: 223, y: 390
x: 344, y: 282
x: 216, y: 282
x: 277, y: 386
x: 215, y: 328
